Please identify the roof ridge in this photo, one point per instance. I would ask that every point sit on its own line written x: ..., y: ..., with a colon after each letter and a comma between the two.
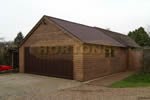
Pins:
x: 84, y: 25
x: 111, y: 31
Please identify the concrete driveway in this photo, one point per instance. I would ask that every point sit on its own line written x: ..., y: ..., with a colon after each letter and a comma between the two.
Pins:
x: 17, y: 86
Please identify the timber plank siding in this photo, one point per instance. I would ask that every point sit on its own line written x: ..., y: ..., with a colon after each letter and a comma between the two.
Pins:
x: 55, y: 65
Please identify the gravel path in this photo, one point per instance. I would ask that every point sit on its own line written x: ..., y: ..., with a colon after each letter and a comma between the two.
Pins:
x: 30, y: 87
x: 92, y: 90
x: 97, y: 90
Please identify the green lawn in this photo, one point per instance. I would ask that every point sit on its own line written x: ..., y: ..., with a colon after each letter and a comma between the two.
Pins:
x: 136, y: 80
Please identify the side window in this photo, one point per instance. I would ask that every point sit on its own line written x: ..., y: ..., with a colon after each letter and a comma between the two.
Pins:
x: 106, y: 52
x: 109, y: 52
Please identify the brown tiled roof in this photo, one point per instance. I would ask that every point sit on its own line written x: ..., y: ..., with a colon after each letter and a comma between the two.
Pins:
x: 89, y: 34
x: 86, y: 33
x: 123, y: 39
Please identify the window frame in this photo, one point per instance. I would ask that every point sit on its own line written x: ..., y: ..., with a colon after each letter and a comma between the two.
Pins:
x: 109, y: 52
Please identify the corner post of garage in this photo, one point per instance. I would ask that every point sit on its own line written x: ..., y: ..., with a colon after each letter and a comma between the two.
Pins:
x: 78, y: 62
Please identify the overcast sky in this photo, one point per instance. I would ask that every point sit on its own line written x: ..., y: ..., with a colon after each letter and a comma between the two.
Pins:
x: 118, y: 15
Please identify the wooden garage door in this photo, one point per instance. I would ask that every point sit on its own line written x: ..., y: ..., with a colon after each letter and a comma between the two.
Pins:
x: 50, y: 61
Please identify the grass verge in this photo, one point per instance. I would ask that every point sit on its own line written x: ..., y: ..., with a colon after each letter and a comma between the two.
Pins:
x: 136, y: 80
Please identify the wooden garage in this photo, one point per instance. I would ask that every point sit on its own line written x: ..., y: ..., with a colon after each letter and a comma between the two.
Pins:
x: 64, y: 49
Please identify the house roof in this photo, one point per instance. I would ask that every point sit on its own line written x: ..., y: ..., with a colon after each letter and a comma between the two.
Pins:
x: 123, y: 39
x: 86, y: 33
x: 91, y: 35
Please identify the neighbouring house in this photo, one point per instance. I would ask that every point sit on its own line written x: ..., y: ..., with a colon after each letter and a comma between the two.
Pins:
x: 64, y: 49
